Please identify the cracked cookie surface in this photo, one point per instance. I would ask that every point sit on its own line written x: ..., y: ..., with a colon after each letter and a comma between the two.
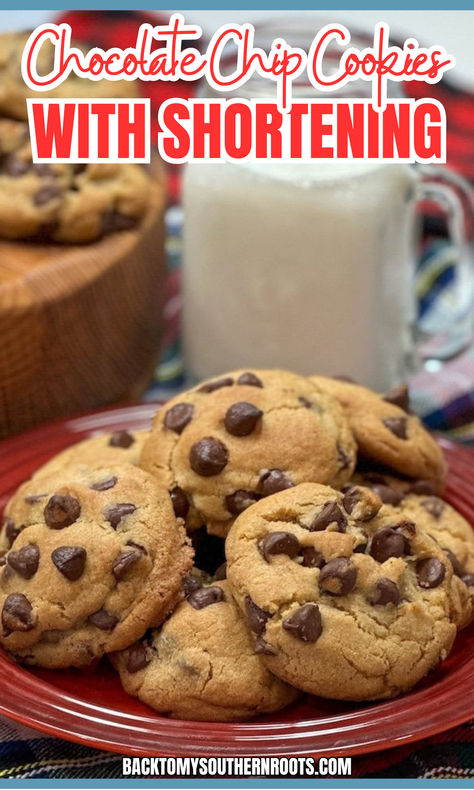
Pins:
x: 63, y: 202
x: 101, y: 560
x: 118, y: 447
x: 416, y: 500
x: 233, y: 440
x: 26, y: 505
x: 201, y: 665
x: 347, y: 598
x: 386, y: 432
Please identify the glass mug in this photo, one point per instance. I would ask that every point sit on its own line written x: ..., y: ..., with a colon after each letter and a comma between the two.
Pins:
x: 312, y: 267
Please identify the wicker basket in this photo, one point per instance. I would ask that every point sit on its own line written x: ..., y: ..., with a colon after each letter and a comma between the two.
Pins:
x: 80, y: 326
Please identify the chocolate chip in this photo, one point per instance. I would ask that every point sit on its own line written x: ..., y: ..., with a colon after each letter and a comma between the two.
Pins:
x: 113, y: 221
x: 385, y: 592
x: 2, y: 561
x: 11, y: 530
x: 274, y: 480
x: 256, y: 618
x: 249, y: 380
x: 387, y: 494
x: 262, y: 648
x: 305, y: 624
x: 33, y: 499
x: 14, y: 166
x: 397, y: 425
x: 330, y: 513
x: 399, y: 396
x: 312, y: 558
x: 206, y: 596
x: 430, y: 572
x: 239, y: 501
x: 180, y: 502
x: 358, y: 504
x: 468, y: 579
x: 190, y: 584
x: 115, y: 513
x: 221, y: 572
x: 279, y: 543
x: 211, y: 386
x: 242, y: 418
x: 137, y: 658
x: 104, y: 485
x: 124, y: 561
x: 17, y: 613
x: 46, y: 194
x: 338, y: 576
x: 122, y: 439
x: 208, y: 457
x: 43, y: 169
x: 178, y: 417
x: 388, y: 542
x: 343, y: 459
x: 351, y: 499
x: 103, y: 620
x: 70, y: 561
x: 423, y: 487
x: 434, y: 507
x: 457, y: 567
x: 305, y: 402
x: 61, y: 511
x: 25, y: 561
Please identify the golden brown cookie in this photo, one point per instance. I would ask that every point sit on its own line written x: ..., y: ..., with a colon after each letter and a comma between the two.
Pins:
x: 416, y: 501
x: 65, y: 202
x: 118, y: 447
x: 386, y: 432
x: 347, y: 598
x: 201, y: 664
x: 102, y: 561
x: 233, y: 440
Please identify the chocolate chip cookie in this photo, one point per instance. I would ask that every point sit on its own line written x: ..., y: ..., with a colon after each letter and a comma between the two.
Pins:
x: 346, y: 597
x: 109, y: 448
x: 245, y: 435
x: 101, y: 560
x: 416, y: 501
x: 14, y: 92
x: 201, y: 663
x: 64, y: 202
x: 386, y: 432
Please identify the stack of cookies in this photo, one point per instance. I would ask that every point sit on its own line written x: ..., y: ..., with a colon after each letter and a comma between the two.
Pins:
x: 271, y: 535
x: 82, y: 262
x: 65, y: 203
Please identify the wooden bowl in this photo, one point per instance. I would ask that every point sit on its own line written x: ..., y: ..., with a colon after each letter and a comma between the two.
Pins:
x: 80, y: 326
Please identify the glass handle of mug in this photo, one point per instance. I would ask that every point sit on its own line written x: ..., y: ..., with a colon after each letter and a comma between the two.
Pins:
x: 448, y: 330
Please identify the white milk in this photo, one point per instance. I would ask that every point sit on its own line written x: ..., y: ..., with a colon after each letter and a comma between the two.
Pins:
x: 307, y: 267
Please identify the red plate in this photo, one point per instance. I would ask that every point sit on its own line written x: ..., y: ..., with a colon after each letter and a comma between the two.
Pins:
x: 92, y: 708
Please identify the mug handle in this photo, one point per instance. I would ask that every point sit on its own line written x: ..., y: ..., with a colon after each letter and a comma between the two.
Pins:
x: 450, y: 333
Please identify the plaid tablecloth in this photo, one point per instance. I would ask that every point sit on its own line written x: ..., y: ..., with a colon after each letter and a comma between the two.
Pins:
x: 446, y: 402
x: 26, y: 754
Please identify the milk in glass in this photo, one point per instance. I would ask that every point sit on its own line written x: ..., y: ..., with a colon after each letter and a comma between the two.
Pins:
x: 300, y: 266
